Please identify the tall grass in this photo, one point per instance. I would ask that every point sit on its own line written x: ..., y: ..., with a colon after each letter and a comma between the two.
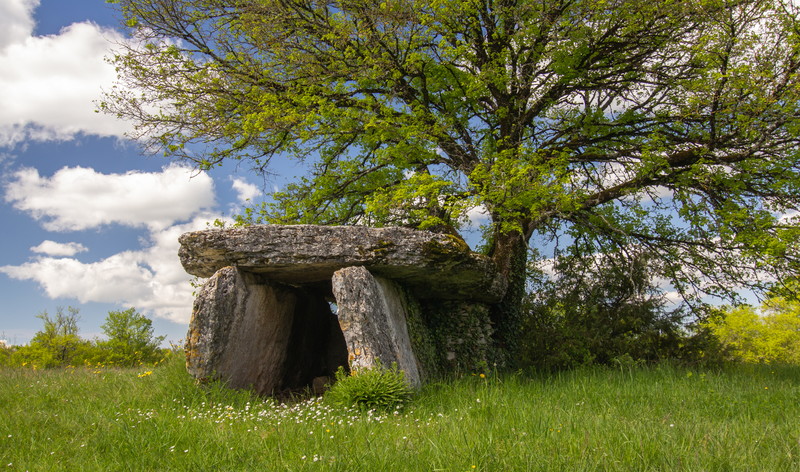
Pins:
x: 662, y: 418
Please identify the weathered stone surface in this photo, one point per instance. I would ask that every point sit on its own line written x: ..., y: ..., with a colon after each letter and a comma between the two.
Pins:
x: 264, y: 321
x: 463, y: 331
x: 372, y: 315
x: 255, y: 334
x: 432, y: 265
x: 230, y: 337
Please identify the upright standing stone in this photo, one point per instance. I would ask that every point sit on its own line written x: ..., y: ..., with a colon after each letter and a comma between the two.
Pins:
x: 372, y: 314
x: 240, y: 331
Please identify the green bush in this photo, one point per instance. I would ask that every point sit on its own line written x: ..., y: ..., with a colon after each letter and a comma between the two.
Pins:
x: 378, y: 388
x: 599, y: 310
x: 64, y: 351
x: 130, y: 339
x: 57, y: 344
x: 130, y: 342
x: 770, y: 335
x: 6, y: 352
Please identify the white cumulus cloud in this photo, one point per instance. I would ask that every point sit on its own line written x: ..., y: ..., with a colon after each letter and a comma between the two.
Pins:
x: 245, y: 190
x: 52, y: 248
x: 16, y: 20
x: 49, y: 83
x: 121, y: 276
x: 151, y: 279
x: 78, y: 198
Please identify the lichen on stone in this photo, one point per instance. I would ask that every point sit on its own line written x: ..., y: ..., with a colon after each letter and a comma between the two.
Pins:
x: 452, y: 249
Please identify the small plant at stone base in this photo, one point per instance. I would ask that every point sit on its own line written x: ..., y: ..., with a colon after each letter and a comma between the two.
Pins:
x: 377, y: 388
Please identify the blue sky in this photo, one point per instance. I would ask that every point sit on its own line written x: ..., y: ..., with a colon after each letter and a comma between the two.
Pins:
x: 87, y: 220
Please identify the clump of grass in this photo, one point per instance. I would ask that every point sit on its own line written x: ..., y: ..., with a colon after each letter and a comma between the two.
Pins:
x: 660, y: 418
x: 378, y: 388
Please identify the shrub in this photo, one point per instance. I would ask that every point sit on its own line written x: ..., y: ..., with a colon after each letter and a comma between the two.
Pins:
x: 130, y: 342
x: 767, y: 336
x: 130, y: 339
x: 599, y: 309
x: 6, y: 352
x: 56, y: 344
x: 377, y: 388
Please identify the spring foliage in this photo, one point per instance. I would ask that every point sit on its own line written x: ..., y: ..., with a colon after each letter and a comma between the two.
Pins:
x: 769, y: 335
x: 130, y: 342
x: 600, y: 311
x: 669, y: 125
x: 57, y: 344
x: 130, y: 338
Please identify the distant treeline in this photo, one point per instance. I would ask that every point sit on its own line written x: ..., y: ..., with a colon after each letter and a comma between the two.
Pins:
x: 129, y: 342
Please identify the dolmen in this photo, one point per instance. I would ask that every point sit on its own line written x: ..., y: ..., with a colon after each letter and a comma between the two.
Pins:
x: 283, y: 307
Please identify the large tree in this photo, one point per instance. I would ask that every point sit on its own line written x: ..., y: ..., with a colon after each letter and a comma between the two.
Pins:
x: 672, y: 126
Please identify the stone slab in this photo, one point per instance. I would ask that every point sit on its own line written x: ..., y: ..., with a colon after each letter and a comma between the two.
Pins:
x: 239, y: 332
x: 430, y: 264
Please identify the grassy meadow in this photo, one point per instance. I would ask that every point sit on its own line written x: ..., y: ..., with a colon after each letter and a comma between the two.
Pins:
x: 743, y: 418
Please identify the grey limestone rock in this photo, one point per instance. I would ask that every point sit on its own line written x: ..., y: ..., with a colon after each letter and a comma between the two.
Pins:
x: 433, y: 265
x: 372, y: 314
x: 259, y: 335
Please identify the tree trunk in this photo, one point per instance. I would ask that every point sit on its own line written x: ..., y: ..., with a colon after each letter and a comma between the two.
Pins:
x: 510, y: 254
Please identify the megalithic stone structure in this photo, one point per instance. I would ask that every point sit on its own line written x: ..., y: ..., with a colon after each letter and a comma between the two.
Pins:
x: 286, y: 306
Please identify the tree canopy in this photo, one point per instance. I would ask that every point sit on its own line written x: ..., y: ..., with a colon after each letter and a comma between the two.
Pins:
x: 669, y: 126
